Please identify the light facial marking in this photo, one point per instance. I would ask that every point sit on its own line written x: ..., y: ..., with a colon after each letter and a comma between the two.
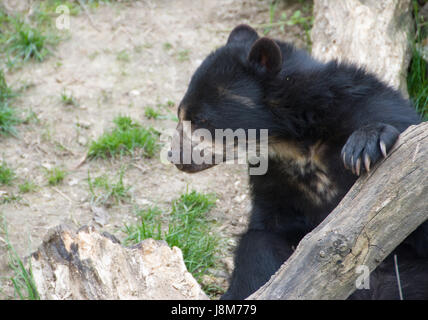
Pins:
x: 181, y: 113
x: 226, y: 93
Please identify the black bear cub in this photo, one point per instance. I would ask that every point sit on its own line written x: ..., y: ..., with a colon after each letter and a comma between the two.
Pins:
x: 328, y: 123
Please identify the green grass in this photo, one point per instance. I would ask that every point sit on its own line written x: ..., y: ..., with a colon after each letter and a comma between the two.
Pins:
x: 46, y: 8
x: 104, y: 191
x: 303, y: 17
x: 30, y: 117
x: 125, y: 138
x: 55, y: 176
x: 305, y: 20
x: 151, y: 113
x: 150, y: 226
x: 96, y: 3
x: 27, y: 42
x: 93, y: 55
x: 26, y: 39
x: 22, y: 279
x: 8, y: 118
x: 7, y: 174
x: 123, y: 56
x: 158, y: 113
x: 167, y: 46
x: 32, y: 37
x: 8, y: 198
x: 27, y: 186
x: 417, y: 83
x: 186, y: 227
x: 23, y: 39
x: 170, y: 104
x: 183, y: 55
x: 417, y: 78
x: 68, y: 99
x: 272, y: 9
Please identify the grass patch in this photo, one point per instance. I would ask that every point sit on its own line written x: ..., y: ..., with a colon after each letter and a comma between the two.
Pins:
x: 22, y: 280
x: 302, y: 17
x: 125, y: 138
x: 8, y: 198
x: 55, y: 176
x: 123, y: 56
x: 151, y: 113
x: 68, y: 99
x: 27, y: 42
x: 93, y: 55
x: 28, y: 38
x: 417, y: 78
x: 158, y: 113
x: 31, y: 117
x: 8, y: 118
x: 417, y: 83
x: 167, y: 46
x: 33, y: 36
x: 186, y: 227
x: 27, y: 187
x: 104, y: 191
x: 183, y: 55
x: 45, y: 9
x: 305, y: 19
x: 7, y: 174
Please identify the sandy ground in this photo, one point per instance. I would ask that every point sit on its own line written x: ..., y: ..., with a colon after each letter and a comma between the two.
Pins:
x: 87, y: 65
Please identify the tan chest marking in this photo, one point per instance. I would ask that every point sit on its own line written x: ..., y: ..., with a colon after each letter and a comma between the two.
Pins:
x: 306, y: 168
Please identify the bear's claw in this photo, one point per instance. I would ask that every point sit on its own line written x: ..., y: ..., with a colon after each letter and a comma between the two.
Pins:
x: 368, y: 144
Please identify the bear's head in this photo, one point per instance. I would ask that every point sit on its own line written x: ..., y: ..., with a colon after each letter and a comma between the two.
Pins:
x: 226, y: 93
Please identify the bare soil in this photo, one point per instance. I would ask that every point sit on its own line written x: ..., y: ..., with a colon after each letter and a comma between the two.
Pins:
x: 91, y: 65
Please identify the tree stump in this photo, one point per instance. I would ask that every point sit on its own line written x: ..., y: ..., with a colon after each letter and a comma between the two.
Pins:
x: 88, y: 265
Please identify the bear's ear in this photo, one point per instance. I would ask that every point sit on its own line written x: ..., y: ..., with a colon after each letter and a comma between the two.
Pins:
x: 266, y: 52
x: 242, y: 34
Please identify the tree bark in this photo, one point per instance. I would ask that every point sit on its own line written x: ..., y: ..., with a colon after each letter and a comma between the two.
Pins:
x: 372, y: 33
x: 378, y: 213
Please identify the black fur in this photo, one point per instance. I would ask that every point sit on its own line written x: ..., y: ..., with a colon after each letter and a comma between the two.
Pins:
x: 338, y: 117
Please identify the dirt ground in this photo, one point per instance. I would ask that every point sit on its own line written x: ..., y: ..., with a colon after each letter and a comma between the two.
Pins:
x: 88, y: 65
